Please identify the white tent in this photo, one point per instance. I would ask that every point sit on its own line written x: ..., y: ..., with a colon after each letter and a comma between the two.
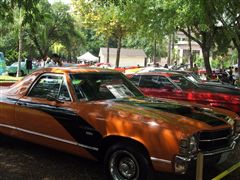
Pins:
x: 87, y: 57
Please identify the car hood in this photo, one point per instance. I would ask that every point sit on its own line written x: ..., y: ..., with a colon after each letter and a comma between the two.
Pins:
x: 174, y: 114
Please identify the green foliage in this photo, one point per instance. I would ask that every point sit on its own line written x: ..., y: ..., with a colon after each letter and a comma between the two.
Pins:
x: 44, y: 25
x: 199, y: 61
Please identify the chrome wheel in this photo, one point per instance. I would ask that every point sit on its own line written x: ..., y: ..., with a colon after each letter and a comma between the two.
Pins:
x: 123, y: 165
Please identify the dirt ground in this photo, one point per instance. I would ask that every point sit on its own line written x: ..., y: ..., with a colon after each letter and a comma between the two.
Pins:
x: 22, y: 160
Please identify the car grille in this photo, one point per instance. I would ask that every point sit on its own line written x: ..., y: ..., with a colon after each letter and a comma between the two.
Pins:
x: 210, y: 141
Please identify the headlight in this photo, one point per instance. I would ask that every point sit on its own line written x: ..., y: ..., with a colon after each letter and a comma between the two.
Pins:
x: 188, y: 146
x: 229, y: 120
x: 193, y: 144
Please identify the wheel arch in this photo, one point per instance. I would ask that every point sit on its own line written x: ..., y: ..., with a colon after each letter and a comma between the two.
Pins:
x: 108, y: 141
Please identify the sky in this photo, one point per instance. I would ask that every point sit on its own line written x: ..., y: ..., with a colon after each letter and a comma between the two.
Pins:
x: 64, y: 1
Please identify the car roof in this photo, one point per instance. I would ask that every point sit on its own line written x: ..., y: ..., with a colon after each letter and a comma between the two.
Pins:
x: 160, y: 73
x: 74, y: 70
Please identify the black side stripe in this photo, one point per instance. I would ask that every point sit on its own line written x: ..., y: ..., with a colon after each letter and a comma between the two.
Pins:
x: 76, y: 126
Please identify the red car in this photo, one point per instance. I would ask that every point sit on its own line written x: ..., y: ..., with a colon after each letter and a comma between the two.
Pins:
x: 175, y: 86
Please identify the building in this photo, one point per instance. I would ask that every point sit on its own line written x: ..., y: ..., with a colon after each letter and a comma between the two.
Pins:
x: 182, y: 48
x: 128, y: 57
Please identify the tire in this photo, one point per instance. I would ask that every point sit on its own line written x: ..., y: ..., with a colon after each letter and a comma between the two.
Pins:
x: 126, y: 161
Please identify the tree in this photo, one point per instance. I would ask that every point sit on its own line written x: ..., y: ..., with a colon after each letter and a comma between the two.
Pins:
x: 106, y: 18
x: 26, y: 9
x: 227, y: 13
x: 193, y: 18
x: 52, y: 24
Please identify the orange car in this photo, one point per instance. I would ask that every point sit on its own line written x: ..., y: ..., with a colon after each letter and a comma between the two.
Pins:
x: 100, y: 115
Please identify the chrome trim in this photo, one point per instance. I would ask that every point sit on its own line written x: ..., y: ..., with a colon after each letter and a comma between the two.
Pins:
x: 65, y: 79
x: 222, y: 150
x: 217, y: 139
x: 208, y: 153
x: 49, y: 137
x: 236, y: 138
x: 100, y: 119
x: 183, y: 158
x: 161, y: 160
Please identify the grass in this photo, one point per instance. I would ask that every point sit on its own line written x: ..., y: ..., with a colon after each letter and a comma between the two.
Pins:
x: 9, y: 78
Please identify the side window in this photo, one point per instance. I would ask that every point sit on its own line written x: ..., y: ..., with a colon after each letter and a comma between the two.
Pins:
x: 50, y: 86
x: 165, y: 82
x: 182, y: 82
x: 135, y: 80
x: 149, y: 81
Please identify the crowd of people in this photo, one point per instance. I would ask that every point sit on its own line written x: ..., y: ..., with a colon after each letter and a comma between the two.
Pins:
x: 229, y: 75
x: 54, y: 61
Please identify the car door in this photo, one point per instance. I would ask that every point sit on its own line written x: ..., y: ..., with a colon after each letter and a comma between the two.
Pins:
x: 41, y: 114
x: 7, y: 107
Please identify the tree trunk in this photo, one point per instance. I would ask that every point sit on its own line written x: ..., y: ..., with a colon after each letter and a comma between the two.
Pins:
x: 172, y: 50
x: 154, y: 52
x: 237, y: 46
x: 190, y: 49
x: 206, y: 55
x: 169, y: 50
x: 118, y: 52
x: 20, y: 39
x: 108, y: 50
x: 207, y: 40
x: 238, y: 63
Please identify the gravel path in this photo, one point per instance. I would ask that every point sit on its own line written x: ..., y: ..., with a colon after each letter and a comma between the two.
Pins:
x: 22, y: 160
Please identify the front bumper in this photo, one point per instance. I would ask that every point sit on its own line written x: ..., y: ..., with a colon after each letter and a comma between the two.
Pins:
x: 181, y: 163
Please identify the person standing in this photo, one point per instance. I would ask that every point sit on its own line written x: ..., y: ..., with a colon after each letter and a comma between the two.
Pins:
x: 54, y: 61
x: 195, y: 69
x: 231, y: 75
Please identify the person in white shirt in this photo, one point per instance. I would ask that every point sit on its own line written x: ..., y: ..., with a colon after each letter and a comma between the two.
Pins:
x: 54, y: 61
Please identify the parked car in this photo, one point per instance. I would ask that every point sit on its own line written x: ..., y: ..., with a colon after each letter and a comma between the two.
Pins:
x: 174, y: 85
x: 12, y: 69
x: 99, y: 114
x: 196, y: 79
x: 2, y: 63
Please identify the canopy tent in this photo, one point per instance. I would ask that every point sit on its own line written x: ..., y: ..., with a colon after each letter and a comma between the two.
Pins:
x: 87, y: 57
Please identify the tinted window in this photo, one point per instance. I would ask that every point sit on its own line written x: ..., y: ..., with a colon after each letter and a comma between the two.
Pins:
x: 135, y: 80
x: 149, y: 81
x: 165, y: 82
x: 183, y: 82
x: 50, y: 86
x: 101, y: 86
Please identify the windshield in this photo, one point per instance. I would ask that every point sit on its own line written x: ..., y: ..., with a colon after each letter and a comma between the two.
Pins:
x: 192, y: 78
x: 183, y: 82
x: 102, y: 86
